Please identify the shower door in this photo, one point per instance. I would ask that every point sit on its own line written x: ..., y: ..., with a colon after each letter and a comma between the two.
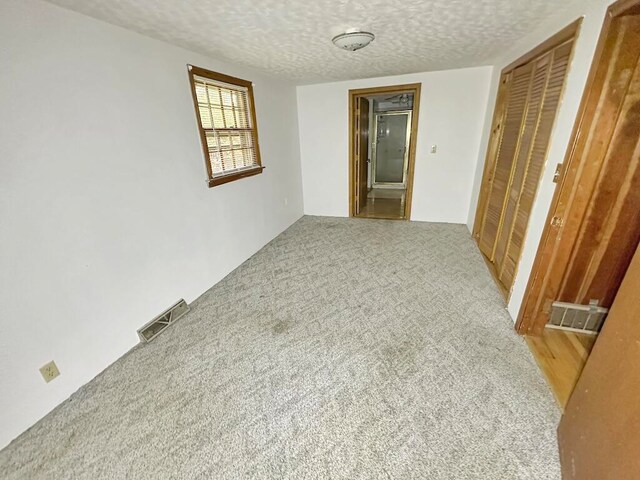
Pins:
x: 391, y: 149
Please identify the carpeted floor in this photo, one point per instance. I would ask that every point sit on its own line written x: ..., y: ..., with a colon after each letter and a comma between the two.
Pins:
x: 344, y: 349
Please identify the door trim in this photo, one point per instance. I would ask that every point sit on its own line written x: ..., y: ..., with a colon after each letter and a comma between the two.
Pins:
x: 413, y: 88
x: 553, y: 245
x: 374, y: 150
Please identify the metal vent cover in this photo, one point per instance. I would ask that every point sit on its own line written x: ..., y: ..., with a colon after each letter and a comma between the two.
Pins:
x: 152, y: 329
x: 577, y: 318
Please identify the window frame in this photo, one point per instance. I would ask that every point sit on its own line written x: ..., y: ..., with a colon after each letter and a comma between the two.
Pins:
x: 214, y: 180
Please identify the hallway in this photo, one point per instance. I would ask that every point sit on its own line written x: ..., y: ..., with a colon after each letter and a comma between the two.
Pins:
x: 385, y: 203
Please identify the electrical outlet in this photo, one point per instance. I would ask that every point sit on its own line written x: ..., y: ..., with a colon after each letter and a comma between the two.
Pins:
x: 49, y: 371
x: 434, y: 148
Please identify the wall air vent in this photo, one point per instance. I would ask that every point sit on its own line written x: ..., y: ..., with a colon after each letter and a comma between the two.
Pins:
x: 152, y: 329
x: 577, y: 318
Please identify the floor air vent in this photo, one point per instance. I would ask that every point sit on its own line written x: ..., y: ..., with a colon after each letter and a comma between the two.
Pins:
x: 152, y: 329
x: 577, y: 318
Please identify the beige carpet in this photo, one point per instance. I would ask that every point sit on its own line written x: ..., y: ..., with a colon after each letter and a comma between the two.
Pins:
x: 344, y: 349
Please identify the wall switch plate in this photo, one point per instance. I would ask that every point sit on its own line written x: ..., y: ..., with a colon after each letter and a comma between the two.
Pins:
x: 49, y: 371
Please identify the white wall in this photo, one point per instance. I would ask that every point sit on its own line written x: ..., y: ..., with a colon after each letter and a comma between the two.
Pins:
x: 105, y: 215
x: 593, y: 12
x: 452, y: 109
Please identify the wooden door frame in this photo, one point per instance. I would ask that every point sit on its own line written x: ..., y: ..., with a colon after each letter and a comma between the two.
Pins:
x: 354, y: 95
x: 567, y: 33
x: 552, y: 245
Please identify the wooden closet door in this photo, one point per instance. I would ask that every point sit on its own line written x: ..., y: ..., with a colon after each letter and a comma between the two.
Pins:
x: 501, y: 178
x: 521, y: 157
x: 549, y: 77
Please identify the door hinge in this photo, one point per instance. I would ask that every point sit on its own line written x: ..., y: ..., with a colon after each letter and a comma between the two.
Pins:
x: 557, y: 222
x: 556, y: 176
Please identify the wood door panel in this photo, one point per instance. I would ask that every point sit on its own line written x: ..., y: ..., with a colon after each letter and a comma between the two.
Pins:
x: 516, y: 105
x: 521, y: 159
x: 598, y: 434
x: 613, y: 265
x: 492, y: 150
x: 559, y: 63
x: 362, y: 153
x: 609, y: 242
x: 610, y: 228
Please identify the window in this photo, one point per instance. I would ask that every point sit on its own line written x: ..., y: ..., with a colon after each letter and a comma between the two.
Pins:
x: 227, y: 122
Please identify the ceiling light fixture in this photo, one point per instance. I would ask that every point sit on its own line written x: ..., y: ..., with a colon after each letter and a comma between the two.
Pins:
x: 353, y: 40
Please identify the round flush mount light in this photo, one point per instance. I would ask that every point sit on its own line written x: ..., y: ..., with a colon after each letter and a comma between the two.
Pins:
x: 353, y: 40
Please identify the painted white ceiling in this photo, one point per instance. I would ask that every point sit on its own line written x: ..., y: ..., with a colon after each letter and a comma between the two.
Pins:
x: 292, y: 38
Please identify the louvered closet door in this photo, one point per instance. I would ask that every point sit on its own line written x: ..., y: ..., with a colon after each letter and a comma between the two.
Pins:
x: 518, y: 85
x: 532, y: 92
x: 548, y: 81
x: 519, y: 161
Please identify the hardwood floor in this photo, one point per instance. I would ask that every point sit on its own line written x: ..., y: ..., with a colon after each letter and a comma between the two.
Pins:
x: 384, y: 203
x: 561, y: 356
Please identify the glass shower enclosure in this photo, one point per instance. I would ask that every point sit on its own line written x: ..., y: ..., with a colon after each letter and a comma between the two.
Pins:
x: 391, y: 149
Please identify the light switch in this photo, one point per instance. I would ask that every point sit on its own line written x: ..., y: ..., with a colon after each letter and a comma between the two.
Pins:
x: 434, y: 148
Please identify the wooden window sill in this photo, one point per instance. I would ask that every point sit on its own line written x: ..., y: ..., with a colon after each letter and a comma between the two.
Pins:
x: 213, y: 182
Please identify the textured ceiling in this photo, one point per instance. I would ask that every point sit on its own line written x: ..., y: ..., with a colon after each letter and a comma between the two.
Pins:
x: 292, y: 38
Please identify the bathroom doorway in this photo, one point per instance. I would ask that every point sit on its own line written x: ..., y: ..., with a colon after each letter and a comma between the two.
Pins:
x: 383, y: 125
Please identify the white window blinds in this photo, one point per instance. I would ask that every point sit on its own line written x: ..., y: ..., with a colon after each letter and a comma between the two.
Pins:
x: 226, y: 121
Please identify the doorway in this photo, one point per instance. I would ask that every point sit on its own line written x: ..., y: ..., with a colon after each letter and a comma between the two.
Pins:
x: 382, y: 131
x: 593, y: 225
